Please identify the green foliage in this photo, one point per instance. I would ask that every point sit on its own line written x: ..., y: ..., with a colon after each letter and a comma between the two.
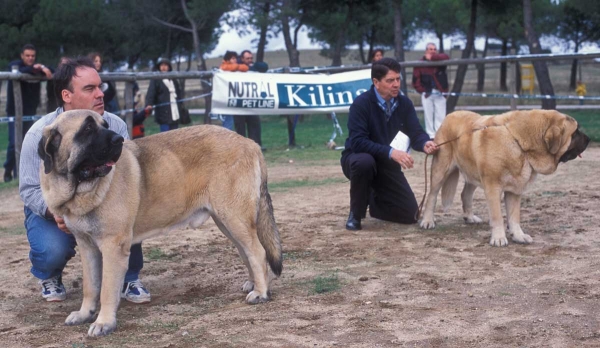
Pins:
x: 155, y: 254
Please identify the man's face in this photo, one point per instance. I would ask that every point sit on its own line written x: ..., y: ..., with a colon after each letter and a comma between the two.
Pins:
x: 164, y: 67
x: 28, y: 57
x: 431, y: 49
x: 247, y: 58
x: 389, y: 86
x: 86, y: 91
x: 98, y: 63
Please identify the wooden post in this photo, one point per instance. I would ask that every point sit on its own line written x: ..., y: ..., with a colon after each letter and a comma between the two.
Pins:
x: 129, y: 107
x: 18, y: 122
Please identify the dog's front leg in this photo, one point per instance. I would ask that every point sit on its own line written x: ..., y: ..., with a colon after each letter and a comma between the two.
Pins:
x: 493, y: 195
x: 91, y: 260
x: 513, y: 215
x: 115, y: 260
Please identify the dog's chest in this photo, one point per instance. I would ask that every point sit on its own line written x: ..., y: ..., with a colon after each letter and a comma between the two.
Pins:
x: 87, y: 224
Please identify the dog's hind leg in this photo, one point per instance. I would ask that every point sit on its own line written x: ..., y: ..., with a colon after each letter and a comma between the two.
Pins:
x: 248, y: 284
x: 244, y: 235
x: 91, y: 260
x: 467, y: 204
x: 513, y: 215
x: 441, y: 170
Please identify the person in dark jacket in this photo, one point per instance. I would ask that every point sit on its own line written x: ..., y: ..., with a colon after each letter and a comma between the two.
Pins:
x: 30, y: 99
x: 372, y: 165
x: 163, y: 95
x: 431, y: 82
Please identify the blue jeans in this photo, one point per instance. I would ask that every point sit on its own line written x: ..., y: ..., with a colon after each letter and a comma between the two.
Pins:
x: 10, y: 165
x: 228, y: 121
x: 168, y: 127
x: 51, y: 248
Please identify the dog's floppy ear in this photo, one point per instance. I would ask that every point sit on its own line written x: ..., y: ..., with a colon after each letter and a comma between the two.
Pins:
x: 553, y: 139
x: 48, y: 146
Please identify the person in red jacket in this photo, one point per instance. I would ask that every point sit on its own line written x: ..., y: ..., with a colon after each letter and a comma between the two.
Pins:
x: 431, y: 82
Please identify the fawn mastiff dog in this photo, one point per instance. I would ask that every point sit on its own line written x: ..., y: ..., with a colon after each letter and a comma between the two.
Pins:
x: 502, y: 153
x: 113, y: 193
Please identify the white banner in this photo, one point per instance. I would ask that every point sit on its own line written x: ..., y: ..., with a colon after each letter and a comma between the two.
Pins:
x: 250, y: 93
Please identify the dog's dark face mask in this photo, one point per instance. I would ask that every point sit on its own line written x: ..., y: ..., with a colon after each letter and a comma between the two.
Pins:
x: 579, y: 142
x: 102, y: 149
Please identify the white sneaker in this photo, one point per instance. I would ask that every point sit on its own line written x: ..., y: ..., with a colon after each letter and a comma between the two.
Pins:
x: 135, y: 292
x: 53, y: 289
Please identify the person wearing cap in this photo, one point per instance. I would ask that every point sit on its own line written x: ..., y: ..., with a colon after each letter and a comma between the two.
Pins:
x: 162, y: 96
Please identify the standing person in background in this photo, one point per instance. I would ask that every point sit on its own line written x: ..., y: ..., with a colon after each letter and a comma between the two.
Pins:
x: 376, y: 55
x: 250, y: 121
x: 30, y: 99
x: 165, y: 93
x: 111, y: 101
x: 431, y: 82
x: 230, y: 63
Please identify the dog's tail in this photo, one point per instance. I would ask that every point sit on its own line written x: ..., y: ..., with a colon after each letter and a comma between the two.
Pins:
x: 268, y: 234
x: 449, y: 188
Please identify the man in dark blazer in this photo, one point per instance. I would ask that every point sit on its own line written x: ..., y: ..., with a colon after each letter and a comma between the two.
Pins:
x: 372, y: 165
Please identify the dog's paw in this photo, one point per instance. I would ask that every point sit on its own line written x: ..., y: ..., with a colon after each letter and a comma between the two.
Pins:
x: 254, y: 297
x: 248, y: 286
x: 101, y: 329
x: 79, y: 317
x: 427, y: 224
x: 522, y: 238
x: 502, y: 241
x: 472, y: 219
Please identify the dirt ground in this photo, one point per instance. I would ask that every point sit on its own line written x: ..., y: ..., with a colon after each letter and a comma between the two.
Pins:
x: 391, y: 285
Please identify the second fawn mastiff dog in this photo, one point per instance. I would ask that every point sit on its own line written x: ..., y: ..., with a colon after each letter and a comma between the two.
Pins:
x: 501, y: 154
x: 113, y: 193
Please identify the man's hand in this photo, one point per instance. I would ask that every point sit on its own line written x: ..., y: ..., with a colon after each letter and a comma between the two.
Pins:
x: 61, y: 224
x: 404, y: 159
x: 430, y: 147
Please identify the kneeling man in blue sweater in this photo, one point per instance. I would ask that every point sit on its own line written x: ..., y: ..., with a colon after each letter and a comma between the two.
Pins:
x: 373, y: 166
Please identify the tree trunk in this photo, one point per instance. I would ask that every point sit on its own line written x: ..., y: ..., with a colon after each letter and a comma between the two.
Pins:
x: 462, y: 69
x: 503, y: 86
x: 361, y: 50
x: 399, y: 42
x: 573, y: 80
x: 340, y: 42
x: 440, y: 37
x: 481, y: 67
x: 540, y: 67
x: 264, y: 28
x: 290, y: 46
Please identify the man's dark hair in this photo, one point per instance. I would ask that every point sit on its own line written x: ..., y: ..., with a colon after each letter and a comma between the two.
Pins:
x: 381, y: 67
x: 229, y: 55
x: 64, y: 75
x: 27, y: 47
x: 244, y: 52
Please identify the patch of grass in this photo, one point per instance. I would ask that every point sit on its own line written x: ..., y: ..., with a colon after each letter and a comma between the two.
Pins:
x: 155, y: 254
x: 295, y: 255
x: 13, y: 231
x: 324, y: 284
x: 290, y: 184
x: 156, y: 325
x: 8, y: 185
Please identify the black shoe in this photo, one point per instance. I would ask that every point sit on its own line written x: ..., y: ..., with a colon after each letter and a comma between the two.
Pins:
x: 7, y: 176
x: 353, y: 223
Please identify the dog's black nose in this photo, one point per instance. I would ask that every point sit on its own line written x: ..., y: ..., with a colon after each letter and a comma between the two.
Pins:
x: 116, y: 139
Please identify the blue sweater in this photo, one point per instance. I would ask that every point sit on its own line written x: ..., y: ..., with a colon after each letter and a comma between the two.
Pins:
x: 370, y: 133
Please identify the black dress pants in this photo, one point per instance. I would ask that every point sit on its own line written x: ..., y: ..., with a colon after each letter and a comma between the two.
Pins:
x: 380, y: 186
x: 253, y: 123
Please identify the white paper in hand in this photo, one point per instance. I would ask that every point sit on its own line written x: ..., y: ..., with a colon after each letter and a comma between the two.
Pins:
x: 401, y: 142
